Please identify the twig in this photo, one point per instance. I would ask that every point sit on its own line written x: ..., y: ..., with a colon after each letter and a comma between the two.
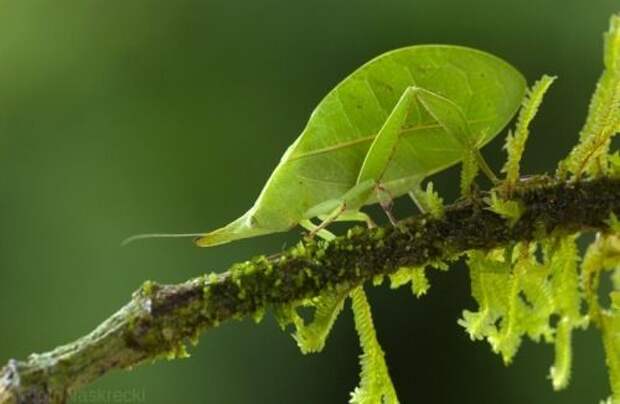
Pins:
x: 160, y: 319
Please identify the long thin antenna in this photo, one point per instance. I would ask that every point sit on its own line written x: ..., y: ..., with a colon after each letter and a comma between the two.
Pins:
x: 131, y: 239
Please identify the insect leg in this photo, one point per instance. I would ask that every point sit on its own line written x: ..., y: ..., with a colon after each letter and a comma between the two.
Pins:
x: 320, y: 229
x: 382, y: 149
x: 353, y: 216
x: 418, y: 197
x: 386, y: 201
x: 317, y: 230
x: 451, y: 117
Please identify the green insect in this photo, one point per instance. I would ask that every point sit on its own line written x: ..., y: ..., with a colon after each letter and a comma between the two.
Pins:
x: 398, y: 119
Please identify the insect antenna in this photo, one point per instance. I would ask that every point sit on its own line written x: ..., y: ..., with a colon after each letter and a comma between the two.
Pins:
x: 386, y: 205
x: 136, y: 237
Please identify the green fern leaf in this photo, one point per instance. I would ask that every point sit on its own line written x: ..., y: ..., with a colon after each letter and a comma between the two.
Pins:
x: 416, y: 275
x: 312, y: 337
x: 434, y: 202
x: 614, y: 164
x: 517, y: 296
x: 610, y: 327
x: 561, y: 257
x: 515, y: 142
x: 490, y: 284
x: 603, y: 121
x: 375, y: 384
x: 613, y: 223
x: 508, y: 338
x: 603, y: 254
x: 561, y: 369
x: 286, y: 315
x: 509, y: 209
x: 565, y: 279
x: 539, y: 303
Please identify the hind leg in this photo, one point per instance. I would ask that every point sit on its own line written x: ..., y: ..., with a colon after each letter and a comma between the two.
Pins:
x: 451, y: 117
x: 319, y: 230
x: 386, y: 201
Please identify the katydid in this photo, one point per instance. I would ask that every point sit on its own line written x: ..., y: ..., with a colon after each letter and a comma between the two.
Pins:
x: 398, y: 119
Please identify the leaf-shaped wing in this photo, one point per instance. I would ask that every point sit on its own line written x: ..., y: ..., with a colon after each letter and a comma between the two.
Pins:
x: 324, y: 162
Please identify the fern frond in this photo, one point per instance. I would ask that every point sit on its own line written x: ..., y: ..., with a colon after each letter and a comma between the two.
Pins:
x: 434, y: 202
x: 601, y: 255
x: 312, y: 337
x: 603, y: 121
x: 428, y: 201
x: 515, y: 142
x: 500, y: 287
x: 375, y: 384
x: 613, y: 223
x: 604, y: 254
x: 416, y: 275
x: 508, y: 338
x: 538, y: 297
x: 593, y: 264
x: 286, y: 314
x: 490, y: 277
x: 562, y: 260
x: 567, y: 301
x: 561, y: 370
x: 610, y: 327
x: 614, y: 164
x: 509, y: 209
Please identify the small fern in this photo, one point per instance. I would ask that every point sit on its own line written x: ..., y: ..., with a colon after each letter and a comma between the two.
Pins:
x: 489, y: 276
x: 416, y: 275
x: 434, y: 202
x: 515, y: 142
x: 603, y: 121
x: 610, y: 327
x: 613, y: 223
x: 509, y: 209
x: 562, y: 257
x: 375, y: 383
x: 311, y: 338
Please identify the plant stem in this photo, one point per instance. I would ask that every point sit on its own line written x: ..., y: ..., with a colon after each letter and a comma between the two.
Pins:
x: 160, y: 319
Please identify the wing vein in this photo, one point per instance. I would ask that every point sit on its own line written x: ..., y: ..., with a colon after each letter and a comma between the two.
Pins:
x: 363, y: 139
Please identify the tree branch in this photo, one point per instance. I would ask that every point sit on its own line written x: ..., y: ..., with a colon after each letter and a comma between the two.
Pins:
x: 160, y: 319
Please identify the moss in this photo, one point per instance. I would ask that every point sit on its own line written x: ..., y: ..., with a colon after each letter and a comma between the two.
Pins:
x: 258, y: 315
x: 162, y: 318
x: 149, y: 288
x: 178, y: 351
x: 210, y: 278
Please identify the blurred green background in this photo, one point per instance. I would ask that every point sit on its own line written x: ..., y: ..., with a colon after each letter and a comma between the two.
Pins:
x: 121, y: 117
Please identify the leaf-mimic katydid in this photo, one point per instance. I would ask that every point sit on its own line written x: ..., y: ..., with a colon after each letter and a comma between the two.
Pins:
x: 398, y: 119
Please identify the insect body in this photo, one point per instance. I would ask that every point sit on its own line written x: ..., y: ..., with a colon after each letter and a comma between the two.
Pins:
x: 401, y: 117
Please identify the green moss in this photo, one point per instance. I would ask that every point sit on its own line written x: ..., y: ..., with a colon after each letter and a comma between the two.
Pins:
x: 313, y: 267
x: 178, y: 351
x: 149, y: 288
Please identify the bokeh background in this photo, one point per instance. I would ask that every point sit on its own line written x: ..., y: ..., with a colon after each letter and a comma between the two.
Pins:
x: 120, y: 117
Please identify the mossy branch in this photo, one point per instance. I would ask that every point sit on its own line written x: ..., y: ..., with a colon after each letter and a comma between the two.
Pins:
x: 160, y: 319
